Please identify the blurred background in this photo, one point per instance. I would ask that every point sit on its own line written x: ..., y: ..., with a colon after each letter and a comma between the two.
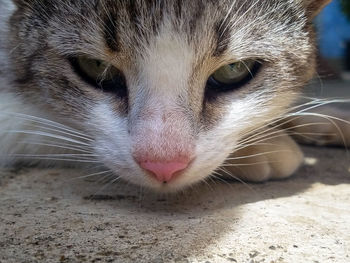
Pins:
x: 333, y: 26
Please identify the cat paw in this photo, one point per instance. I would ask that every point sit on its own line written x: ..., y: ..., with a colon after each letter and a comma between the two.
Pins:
x: 274, y: 158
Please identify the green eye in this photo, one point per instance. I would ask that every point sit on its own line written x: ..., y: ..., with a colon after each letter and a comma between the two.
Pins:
x: 100, y: 75
x: 97, y: 69
x: 234, y: 73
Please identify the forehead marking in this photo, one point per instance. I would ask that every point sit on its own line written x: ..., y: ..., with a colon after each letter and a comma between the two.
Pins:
x: 222, y: 36
x: 168, y: 63
x: 110, y: 31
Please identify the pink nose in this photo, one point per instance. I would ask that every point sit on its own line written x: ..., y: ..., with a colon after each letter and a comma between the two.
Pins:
x: 163, y: 171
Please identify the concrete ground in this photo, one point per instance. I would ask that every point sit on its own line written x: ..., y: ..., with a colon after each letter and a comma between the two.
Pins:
x: 53, y: 216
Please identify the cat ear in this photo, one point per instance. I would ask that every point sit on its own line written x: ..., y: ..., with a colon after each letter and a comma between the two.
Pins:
x: 314, y: 7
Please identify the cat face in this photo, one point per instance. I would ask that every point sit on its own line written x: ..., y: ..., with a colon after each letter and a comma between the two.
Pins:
x: 165, y: 89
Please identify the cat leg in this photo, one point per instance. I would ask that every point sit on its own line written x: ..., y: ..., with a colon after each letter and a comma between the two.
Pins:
x: 324, y: 126
x: 274, y: 158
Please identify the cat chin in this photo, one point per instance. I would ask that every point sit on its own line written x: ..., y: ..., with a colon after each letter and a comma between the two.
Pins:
x: 181, y: 183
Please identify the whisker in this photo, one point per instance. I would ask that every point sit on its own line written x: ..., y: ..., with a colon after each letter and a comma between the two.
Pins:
x: 56, y: 159
x: 59, y: 132
x: 328, y: 117
x: 255, y: 155
x: 248, y: 164
x: 237, y: 178
x: 50, y: 123
x: 331, y: 119
x: 314, y: 103
x: 107, y: 185
x: 267, y: 136
x: 105, y: 178
x: 45, y: 134
x: 91, y: 175
x: 60, y: 146
x: 204, y: 180
x: 55, y: 155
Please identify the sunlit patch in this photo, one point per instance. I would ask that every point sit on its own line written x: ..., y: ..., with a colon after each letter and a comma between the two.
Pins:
x: 310, y: 161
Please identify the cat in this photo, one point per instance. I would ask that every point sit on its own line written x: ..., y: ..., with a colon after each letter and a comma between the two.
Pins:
x: 163, y: 93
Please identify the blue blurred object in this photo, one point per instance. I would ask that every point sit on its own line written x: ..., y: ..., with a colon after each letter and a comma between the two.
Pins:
x: 334, y: 30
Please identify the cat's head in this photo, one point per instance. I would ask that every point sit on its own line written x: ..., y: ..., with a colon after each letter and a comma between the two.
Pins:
x: 167, y: 88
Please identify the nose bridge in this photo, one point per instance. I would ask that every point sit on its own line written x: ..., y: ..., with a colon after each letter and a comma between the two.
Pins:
x: 162, y: 141
x: 159, y: 117
x: 159, y: 101
x: 161, y: 86
x: 161, y: 131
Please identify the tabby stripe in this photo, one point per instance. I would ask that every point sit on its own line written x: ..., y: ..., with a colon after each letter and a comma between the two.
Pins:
x: 110, y: 33
x: 222, y: 36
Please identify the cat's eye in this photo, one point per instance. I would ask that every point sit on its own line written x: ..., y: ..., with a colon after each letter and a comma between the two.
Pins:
x: 233, y: 75
x: 100, y: 74
x: 234, y: 72
x: 97, y: 69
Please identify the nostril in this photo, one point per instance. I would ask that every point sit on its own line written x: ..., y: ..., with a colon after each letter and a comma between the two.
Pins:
x: 164, y: 171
